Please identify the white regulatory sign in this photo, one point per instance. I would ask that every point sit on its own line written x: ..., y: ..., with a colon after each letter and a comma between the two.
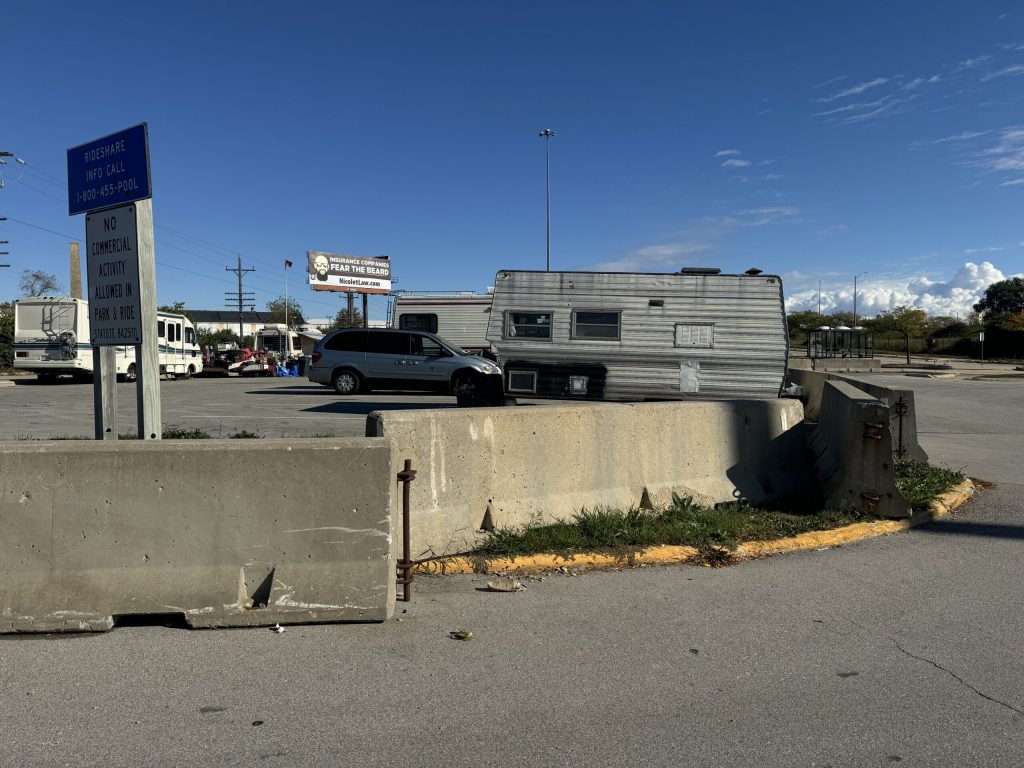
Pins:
x: 112, y: 242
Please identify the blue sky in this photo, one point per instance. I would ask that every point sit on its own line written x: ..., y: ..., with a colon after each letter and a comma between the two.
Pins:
x: 813, y: 140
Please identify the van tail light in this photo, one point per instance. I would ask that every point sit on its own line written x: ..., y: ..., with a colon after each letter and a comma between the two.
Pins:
x: 316, y: 357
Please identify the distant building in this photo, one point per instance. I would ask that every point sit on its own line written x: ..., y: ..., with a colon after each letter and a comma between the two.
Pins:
x: 212, y: 320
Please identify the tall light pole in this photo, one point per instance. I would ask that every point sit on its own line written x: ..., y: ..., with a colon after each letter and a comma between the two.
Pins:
x: 855, y: 297
x: 547, y: 133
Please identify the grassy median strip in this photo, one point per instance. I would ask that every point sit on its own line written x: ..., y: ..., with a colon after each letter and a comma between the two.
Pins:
x: 920, y: 483
x: 713, y: 531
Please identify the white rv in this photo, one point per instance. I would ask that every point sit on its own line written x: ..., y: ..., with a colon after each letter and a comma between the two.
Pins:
x: 629, y: 336
x: 51, y: 338
x: 460, y: 318
x: 285, y: 344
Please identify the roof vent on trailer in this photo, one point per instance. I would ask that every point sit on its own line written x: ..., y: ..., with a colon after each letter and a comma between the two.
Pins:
x: 753, y: 271
x: 700, y: 271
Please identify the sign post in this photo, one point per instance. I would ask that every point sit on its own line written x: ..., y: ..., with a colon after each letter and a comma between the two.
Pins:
x: 109, y: 179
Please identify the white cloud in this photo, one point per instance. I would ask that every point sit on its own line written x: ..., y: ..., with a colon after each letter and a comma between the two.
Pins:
x: 727, y: 152
x: 662, y: 257
x: 916, y: 82
x: 854, y: 107
x: 1017, y: 69
x: 988, y: 249
x: 1007, y: 154
x: 855, y: 89
x: 829, y: 82
x: 962, y: 136
x: 955, y: 296
x: 700, y: 236
x: 758, y: 217
x: 972, y: 63
x: 734, y: 162
x: 1012, y: 182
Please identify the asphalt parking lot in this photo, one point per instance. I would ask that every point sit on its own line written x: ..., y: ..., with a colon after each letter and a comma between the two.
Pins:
x: 899, y: 650
x: 270, y: 407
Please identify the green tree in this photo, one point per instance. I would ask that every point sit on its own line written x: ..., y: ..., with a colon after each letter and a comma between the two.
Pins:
x: 36, y: 283
x: 840, y: 317
x: 1011, y: 321
x: 804, y: 321
x: 213, y: 338
x: 6, y: 335
x: 1005, y: 296
x: 276, y: 308
x: 177, y: 308
x: 342, y: 320
x: 905, y: 320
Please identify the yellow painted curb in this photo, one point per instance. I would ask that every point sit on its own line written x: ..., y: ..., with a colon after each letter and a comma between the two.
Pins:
x: 670, y: 555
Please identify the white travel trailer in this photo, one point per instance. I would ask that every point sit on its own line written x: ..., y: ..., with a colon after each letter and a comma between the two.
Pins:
x: 51, y: 338
x: 629, y: 336
x: 460, y: 318
x: 285, y: 344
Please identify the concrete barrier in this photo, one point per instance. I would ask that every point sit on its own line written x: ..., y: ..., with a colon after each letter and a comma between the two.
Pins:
x: 853, y: 453
x: 902, y: 411
x: 507, y: 466
x: 223, y: 532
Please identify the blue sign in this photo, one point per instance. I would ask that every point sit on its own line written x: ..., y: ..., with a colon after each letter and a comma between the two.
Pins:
x: 110, y: 171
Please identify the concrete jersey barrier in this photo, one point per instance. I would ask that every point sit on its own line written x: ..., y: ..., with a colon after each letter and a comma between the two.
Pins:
x: 902, y: 410
x: 223, y: 532
x: 507, y: 466
x: 853, y: 453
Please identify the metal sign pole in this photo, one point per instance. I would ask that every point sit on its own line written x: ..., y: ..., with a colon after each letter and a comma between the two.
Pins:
x: 104, y: 392
x: 147, y: 355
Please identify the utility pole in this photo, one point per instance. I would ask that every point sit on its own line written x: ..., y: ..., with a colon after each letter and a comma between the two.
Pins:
x: 819, y: 298
x: 855, y: 297
x: 4, y: 242
x: 239, y: 296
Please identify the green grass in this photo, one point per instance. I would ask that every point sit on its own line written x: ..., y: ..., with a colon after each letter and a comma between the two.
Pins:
x: 920, y: 482
x: 709, y: 529
x: 171, y: 433
x: 713, y: 530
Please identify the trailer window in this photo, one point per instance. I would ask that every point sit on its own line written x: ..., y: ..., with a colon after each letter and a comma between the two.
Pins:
x: 522, y: 381
x: 695, y: 335
x: 587, y: 324
x: 160, y: 328
x: 528, y: 325
x: 190, y: 335
x: 425, y: 321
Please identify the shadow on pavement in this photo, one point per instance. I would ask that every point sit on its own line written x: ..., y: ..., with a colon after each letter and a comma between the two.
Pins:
x: 364, y: 408
x: 992, y: 530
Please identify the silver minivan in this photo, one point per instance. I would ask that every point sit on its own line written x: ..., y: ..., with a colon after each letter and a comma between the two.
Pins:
x: 354, y: 360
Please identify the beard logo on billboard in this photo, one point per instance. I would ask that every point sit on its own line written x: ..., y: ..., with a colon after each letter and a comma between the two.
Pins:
x: 341, y: 272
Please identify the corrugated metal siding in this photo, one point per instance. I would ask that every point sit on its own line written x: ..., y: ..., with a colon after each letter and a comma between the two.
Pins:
x: 461, y: 319
x: 748, y: 359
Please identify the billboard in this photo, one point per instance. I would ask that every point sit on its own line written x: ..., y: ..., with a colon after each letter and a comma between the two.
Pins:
x: 339, y: 272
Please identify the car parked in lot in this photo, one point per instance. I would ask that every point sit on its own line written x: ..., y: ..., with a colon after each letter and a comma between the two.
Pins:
x: 356, y: 360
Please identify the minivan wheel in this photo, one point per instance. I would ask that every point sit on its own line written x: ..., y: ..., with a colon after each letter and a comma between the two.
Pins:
x: 466, y: 392
x: 346, y: 382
